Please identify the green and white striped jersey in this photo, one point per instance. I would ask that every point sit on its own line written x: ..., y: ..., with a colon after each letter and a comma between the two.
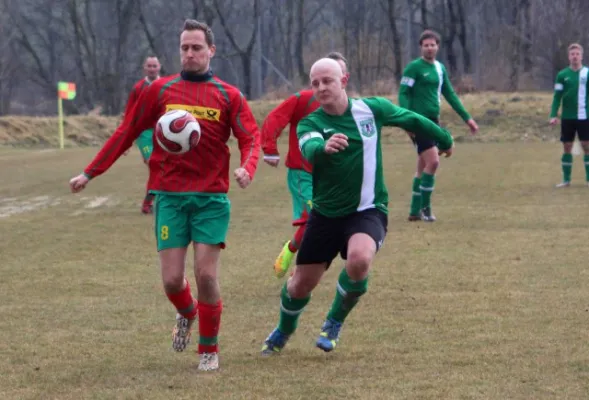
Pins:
x: 352, y: 180
x: 571, y: 89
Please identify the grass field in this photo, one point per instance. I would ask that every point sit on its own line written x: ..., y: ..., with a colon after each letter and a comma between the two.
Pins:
x: 490, y: 302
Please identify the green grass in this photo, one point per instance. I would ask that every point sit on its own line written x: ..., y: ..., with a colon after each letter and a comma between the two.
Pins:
x: 490, y: 302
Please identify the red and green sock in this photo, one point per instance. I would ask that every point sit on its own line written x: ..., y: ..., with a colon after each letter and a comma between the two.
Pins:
x: 295, y: 243
x: 209, y: 322
x: 184, y: 302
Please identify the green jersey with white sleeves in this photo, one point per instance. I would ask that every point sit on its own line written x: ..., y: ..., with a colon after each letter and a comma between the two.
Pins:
x: 352, y: 180
x: 571, y: 88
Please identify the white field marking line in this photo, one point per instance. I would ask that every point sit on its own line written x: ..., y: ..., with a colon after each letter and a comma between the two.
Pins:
x: 94, y: 202
x: 97, y: 202
x: 11, y: 205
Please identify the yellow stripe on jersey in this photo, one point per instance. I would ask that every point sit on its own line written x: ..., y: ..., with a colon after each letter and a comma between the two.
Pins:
x: 199, y: 112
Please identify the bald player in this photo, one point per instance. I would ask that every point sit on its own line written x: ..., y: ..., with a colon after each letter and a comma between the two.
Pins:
x: 342, y: 141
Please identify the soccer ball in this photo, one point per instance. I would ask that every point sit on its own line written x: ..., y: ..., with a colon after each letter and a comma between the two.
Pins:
x: 177, y: 131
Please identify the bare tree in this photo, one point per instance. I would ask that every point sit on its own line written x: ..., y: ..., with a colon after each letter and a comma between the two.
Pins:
x: 462, y: 35
x: 390, y: 8
x: 9, y: 61
x: 245, y: 50
x: 101, y: 45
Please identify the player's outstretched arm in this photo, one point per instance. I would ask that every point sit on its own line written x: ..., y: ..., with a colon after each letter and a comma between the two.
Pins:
x: 454, y: 101
x: 273, y: 126
x: 556, y: 99
x: 141, y: 117
x: 245, y: 129
x: 393, y: 115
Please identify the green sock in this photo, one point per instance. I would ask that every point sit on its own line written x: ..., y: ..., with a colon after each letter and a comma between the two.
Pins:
x: 426, y: 187
x: 346, y: 296
x: 567, y: 166
x: 586, y: 160
x: 290, y: 310
x: 416, y: 197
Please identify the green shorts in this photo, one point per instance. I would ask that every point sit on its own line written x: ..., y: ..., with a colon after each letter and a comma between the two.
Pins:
x: 300, y: 185
x: 145, y: 143
x: 184, y: 218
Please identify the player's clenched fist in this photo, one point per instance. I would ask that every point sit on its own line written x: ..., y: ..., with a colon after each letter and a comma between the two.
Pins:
x: 336, y: 143
x: 447, y: 153
x: 242, y: 177
x: 78, y: 183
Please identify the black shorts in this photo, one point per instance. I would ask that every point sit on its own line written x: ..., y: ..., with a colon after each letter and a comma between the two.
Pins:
x: 421, y: 143
x: 326, y: 237
x: 571, y: 127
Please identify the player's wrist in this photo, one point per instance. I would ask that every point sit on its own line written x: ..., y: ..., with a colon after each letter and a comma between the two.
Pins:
x: 87, y: 175
x: 271, y: 157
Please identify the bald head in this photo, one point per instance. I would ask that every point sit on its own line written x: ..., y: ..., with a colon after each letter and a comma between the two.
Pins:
x: 329, y: 84
x: 328, y: 66
x: 151, y: 67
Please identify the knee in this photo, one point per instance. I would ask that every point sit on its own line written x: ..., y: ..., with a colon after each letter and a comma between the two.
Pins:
x: 173, y: 283
x: 300, y: 287
x: 206, y: 280
x: 358, y: 263
x: 433, y: 163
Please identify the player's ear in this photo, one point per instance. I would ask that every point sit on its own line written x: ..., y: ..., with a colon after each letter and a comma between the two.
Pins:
x: 344, y: 80
x: 212, y: 50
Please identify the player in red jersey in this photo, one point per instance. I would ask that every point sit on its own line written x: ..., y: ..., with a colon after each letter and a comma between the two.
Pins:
x: 291, y: 111
x: 151, y: 68
x: 191, y: 189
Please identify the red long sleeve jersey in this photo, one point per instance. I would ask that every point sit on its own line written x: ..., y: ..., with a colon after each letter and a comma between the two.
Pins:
x: 290, y: 111
x: 219, y: 108
x: 138, y: 88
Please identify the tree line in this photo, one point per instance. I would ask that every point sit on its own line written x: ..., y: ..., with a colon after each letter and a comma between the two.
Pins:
x: 266, y: 47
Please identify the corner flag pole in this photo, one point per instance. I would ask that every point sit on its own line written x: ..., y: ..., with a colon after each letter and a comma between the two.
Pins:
x: 60, y: 115
x: 65, y: 90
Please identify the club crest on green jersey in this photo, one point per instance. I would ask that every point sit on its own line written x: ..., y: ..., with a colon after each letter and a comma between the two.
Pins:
x: 367, y: 127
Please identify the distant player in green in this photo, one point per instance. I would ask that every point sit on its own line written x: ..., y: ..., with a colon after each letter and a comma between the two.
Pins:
x: 151, y: 69
x: 424, y: 81
x: 571, y: 88
x: 341, y: 139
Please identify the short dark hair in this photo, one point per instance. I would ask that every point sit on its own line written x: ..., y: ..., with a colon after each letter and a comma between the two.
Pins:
x: 194, y: 25
x: 337, y: 56
x: 429, y: 34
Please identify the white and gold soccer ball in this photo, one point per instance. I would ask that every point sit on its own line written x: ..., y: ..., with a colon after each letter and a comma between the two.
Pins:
x: 177, y: 131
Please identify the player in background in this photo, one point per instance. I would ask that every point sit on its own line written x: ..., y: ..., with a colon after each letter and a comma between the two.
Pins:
x: 191, y: 206
x: 151, y: 69
x: 342, y: 140
x: 424, y: 81
x: 299, y: 179
x: 571, y: 89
